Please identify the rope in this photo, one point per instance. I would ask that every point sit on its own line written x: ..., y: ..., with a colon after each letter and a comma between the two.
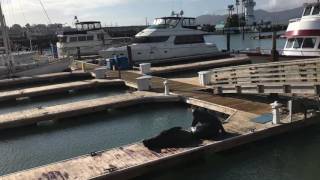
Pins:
x: 45, y: 11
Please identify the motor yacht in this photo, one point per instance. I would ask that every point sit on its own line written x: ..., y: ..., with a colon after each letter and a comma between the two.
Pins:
x: 303, y: 34
x: 170, y: 38
x: 87, y: 39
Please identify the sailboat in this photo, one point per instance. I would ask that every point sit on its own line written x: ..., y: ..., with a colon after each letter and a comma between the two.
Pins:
x: 26, y: 64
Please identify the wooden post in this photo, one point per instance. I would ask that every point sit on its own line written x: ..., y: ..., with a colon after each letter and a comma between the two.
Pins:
x: 228, y: 41
x: 129, y: 51
x: 274, y: 52
x: 290, y: 106
x: 78, y: 53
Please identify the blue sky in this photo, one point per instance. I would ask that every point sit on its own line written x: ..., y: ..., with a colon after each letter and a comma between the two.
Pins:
x: 121, y: 12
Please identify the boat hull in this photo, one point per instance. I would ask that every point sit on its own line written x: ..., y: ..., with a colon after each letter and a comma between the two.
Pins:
x: 59, y: 65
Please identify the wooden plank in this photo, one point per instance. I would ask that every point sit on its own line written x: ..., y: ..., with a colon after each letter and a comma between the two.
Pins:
x: 57, y: 88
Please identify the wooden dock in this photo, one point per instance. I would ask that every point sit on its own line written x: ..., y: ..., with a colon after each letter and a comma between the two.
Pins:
x: 57, y: 88
x: 134, y: 160
x: 286, y: 77
x: 58, y: 112
x: 14, y: 82
x: 196, y: 66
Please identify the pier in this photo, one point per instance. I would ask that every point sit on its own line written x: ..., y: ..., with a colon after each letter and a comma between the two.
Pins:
x: 134, y: 160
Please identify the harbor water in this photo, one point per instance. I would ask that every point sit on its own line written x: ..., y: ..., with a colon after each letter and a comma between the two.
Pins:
x: 238, y: 43
x: 33, y: 146
x: 292, y: 156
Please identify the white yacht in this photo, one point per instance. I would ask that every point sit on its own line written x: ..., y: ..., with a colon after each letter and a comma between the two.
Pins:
x: 303, y: 34
x: 87, y: 39
x: 170, y: 38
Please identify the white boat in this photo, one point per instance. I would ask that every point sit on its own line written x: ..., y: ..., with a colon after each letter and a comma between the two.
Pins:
x: 26, y: 63
x: 170, y: 38
x: 303, y: 34
x: 87, y: 39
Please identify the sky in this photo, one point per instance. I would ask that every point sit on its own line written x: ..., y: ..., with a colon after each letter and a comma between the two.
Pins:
x: 121, y: 12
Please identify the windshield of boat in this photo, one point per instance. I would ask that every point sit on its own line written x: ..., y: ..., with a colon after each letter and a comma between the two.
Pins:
x: 164, y: 23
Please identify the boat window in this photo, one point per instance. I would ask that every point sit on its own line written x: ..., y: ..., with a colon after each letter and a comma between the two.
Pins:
x: 290, y: 43
x: 309, y: 43
x: 189, y: 22
x: 85, y: 26
x: 307, y: 11
x: 316, y: 10
x: 150, y: 39
x: 89, y: 38
x: 63, y: 39
x: 164, y: 23
x: 189, y: 39
x: 82, y: 38
x: 73, y: 39
x: 79, y: 27
x: 297, y: 43
x: 91, y: 26
x: 97, y: 25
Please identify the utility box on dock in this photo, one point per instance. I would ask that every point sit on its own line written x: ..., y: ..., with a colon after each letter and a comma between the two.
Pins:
x: 205, y: 78
x: 145, y: 68
x: 100, y: 73
x: 144, y: 83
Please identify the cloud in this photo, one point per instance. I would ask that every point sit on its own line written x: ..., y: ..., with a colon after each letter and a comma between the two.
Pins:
x: 277, y: 5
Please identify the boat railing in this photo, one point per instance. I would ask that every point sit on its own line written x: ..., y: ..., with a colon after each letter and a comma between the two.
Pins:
x: 297, y: 52
x: 294, y: 20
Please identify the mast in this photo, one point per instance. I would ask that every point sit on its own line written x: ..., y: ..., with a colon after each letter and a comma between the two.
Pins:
x: 6, y: 40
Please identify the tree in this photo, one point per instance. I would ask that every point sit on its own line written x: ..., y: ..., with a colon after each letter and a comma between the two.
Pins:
x: 232, y: 21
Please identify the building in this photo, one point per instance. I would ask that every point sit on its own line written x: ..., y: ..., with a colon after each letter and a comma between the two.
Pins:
x: 249, y: 11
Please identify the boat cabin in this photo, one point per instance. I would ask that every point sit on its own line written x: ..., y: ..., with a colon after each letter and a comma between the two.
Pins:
x: 311, y: 9
x: 172, y: 22
x: 88, y: 25
x: 85, y: 31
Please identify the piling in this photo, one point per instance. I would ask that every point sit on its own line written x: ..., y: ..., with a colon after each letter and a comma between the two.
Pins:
x: 274, y: 52
x: 78, y: 53
x: 129, y: 51
x: 228, y: 41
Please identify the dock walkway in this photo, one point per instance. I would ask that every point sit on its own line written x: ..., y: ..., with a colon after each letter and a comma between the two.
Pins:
x: 164, y: 70
x: 7, y: 83
x: 57, y: 88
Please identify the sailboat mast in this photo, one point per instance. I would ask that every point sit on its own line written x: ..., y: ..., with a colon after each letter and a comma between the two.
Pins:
x: 5, y: 35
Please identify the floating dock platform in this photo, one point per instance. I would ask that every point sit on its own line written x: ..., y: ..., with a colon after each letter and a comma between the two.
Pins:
x: 47, y: 78
x: 134, y: 160
x: 57, y: 88
x: 59, y: 112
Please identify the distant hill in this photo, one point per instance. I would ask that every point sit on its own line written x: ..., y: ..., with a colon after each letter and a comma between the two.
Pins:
x: 281, y: 17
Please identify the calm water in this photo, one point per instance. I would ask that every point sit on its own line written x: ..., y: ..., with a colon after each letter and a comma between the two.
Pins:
x: 293, y: 156
x: 58, y: 99
x: 237, y: 43
x: 34, y: 146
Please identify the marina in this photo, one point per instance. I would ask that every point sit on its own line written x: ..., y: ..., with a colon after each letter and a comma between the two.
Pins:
x: 181, y: 99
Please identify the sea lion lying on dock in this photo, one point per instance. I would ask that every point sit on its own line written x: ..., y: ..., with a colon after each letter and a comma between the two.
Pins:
x: 172, y: 138
x: 206, y: 125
